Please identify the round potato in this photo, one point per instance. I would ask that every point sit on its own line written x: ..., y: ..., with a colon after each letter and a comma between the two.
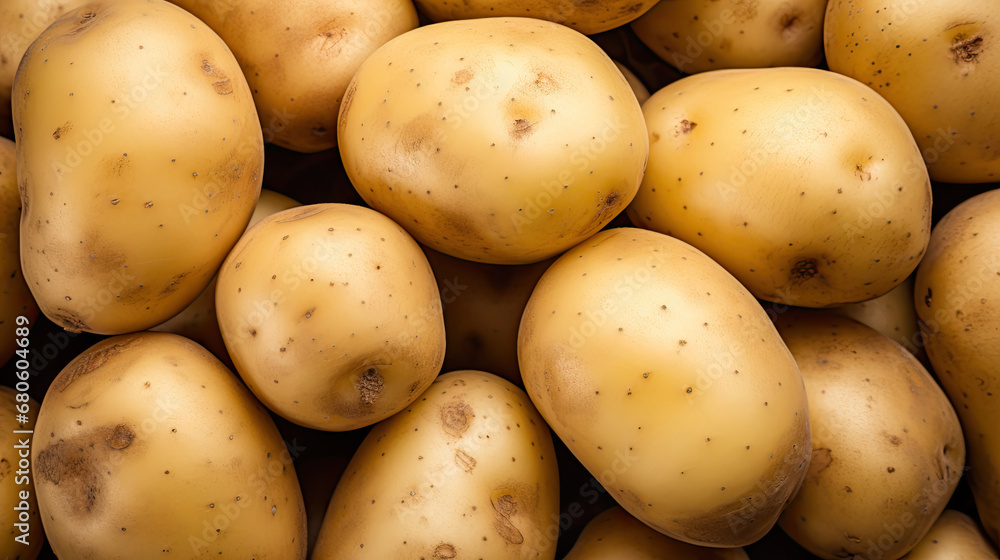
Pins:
x: 331, y: 314
x: 934, y: 62
x: 499, y: 140
x: 698, y: 35
x: 585, y: 17
x: 957, y: 295
x: 954, y: 536
x: 616, y: 534
x: 146, y: 444
x: 139, y: 159
x: 887, y: 448
x: 15, y: 297
x: 298, y: 57
x: 665, y: 378
x: 22, y: 534
x: 807, y: 187
x: 468, y: 471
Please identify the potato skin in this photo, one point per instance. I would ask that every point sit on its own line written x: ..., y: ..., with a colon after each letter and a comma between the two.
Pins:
x: 700, y: 35
x: 666, y: 379
x: 586, y: 17
x: 935, y: 62
x: 331, y: 314
x: 15, y: 297
x: 493, y: 148
x: 801, y: 183
x: 136, y: 176
x: 957, y: 295
x: 298, y: 57
x: 146, y: 443
x: 954, y: 536
x: 892, y: 314
x: 616, y: 534
x: 11, y: 483
x: 887, y: 448
x: 467, y: 471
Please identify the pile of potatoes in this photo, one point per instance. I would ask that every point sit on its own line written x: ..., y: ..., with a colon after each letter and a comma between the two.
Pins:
x: 531, y: 279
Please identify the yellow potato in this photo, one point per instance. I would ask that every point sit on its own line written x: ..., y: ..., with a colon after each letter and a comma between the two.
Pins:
x: 665, y: 378
x: 616, y: 534
x: 892, y: 314
x: 957, y: 295
x: 298, y: 57
x: 500, y: 140
x: 15, y: 297
x: 331, y: 314
x: 585, y: 17
x: 698, y: 35
x: 147, y: 444
x: 467, y: 471
x: 954, y: 536
x: 139, y: 162
x: 887, y: 448
x: 638, y: 88
x: 935, y: 62
x: 22, y: 527
x: 804, y: 185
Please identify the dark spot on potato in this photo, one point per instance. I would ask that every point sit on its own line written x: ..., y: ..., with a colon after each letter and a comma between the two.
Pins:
x: 465, y: 461
x: 121, y: 436
x: 445, y: 551
x: 462, y: 77
x: 504, y: 508
x: 804, y: 269
x: 87, y: 20
x: 520, y: 129
x: 345, y: 105
x: 927, y: 298
x: 821, y: 459
x: 685, y: 127
x: 221, y: 83
x: 966, y: 49
x: 91, y: 360
x: 455, y: 418
x: 68, y: 320
x: 370, y: 385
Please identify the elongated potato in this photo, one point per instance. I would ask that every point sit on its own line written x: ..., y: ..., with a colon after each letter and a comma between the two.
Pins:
x: 140, y: 160
x: 15, y: 297
x: 467, y: 471
x: 147, y: 445
x: 887, y: 448
x: 665, y: 378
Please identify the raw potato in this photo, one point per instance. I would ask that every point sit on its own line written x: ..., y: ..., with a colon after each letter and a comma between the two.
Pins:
x: 586, y: 17
x: 140, y: 159
x: 638, y: 88
x: 892, y: 314
x: 957, y: 295
x: 331, y: 314
x: 146, y: 443
x: 482, y: 306
x: 298, y: 57
x: 954, y: 536
x: 14, y: 482
x: 198, y: 321
x: 936, y: 63
x: 887, y: 448
x: 666, y: 379
x: 15, y: 297
x: 616, y: 534
x: 699, y: 35
x: 499, y: 140
x: 800, y: 182
x: 468, y: 471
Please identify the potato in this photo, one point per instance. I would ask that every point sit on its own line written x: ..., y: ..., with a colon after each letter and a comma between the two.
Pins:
x: 954, y: 536
x: 666, y: 379
x: 139, y: 158
x: 146, y: 444
x: 698, y: 35
x: 468, y: 471
x: 22, y: 535
x: 933, y: 62
x: 957, y: 295
x: 616, y: 534
x: 892, y: 314
x: 15, y: 297
x: 585, y: 17
x: 298, y: 57
x: 198, y: 321
x: 499, y: 140
x: 331, y: 314
x: 887, y: 448
x: 805, y: 186
x: 482, y: 306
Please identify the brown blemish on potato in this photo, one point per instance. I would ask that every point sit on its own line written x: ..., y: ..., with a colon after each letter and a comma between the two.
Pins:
x: 966, y: 49
x: 521, y: 129
x: 370, y: 385
x: 791, y: 26
x: 345, y: 105
x: 545, y: 82
x: 120, y: 437
x: 445, y: 550
x: 462, y: 77
x: 61, y: 130
x: 504, y: 508
x: 685, y: 127
x: 221, y: 84
x: 821, y: 459
x: 90, y: 361
x: 455, y: 418
x: 804, y: 269
x: 70, y: 465
x: 465, y: 461
x: 69, y: 320
x: 85, y: 22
